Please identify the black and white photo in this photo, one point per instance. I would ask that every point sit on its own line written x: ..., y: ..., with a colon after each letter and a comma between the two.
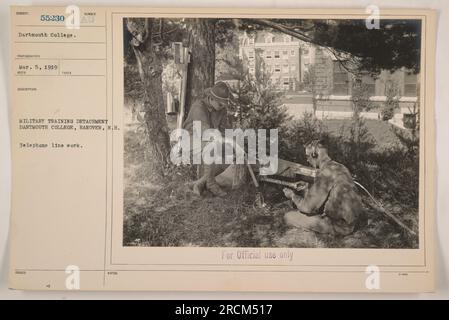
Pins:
x: 331, y: 106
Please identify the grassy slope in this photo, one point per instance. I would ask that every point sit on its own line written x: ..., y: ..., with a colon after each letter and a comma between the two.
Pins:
x: 380, y: 130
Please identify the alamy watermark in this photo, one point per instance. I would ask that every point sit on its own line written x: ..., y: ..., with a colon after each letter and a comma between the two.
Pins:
x: 373, y: 20
x: 372, y: 281
x: 73, y: 19
x: 209, y: 146
x: 72, y: 281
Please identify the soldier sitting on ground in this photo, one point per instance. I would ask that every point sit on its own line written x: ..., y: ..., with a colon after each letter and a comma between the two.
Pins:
x: 211, y: 111
x: 331, y: 205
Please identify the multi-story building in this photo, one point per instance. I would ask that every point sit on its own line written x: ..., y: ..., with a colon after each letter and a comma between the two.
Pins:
x: 281, y: 57
x: 335, y: 86
x: 287, y: 60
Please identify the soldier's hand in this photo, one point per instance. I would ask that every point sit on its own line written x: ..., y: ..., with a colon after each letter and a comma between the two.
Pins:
x: 288, y: 193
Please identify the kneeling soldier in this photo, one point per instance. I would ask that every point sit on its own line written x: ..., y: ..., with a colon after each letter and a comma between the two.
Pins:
x: 331, y: 205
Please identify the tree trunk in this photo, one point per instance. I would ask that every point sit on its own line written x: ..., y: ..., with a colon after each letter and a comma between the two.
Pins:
x: 150, y: 68
x: 201, y: 74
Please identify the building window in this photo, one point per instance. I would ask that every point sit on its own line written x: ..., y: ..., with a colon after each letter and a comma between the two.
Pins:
x: 276, y: 55
x: 251, y: 41
x: 285, y: 68
x: 268, y: 55
x: 251, y: 54
x: 341, y: 80
x: 370, y: 84
x: 286, y: 81
x: 305, y: 51
x: 285, y: 54
x: 277, y: 68
x: 292, y: 53
x: 269, y: 39
x: 410, y: 80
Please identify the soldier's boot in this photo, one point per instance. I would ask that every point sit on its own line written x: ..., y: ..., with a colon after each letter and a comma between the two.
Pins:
x: 215, y: 189
x: 211, y: 183
x: 197, y: 187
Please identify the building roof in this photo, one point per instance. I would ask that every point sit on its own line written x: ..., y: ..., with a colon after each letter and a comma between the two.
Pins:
x: 260, y: 37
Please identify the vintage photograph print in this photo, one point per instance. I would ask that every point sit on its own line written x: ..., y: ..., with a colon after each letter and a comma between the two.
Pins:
x: 300, y: 133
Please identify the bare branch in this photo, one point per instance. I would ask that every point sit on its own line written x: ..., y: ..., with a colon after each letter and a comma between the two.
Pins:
x: 284, y: 29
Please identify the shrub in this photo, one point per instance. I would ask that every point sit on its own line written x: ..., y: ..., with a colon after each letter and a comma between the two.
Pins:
x: 392, y: 102
x: 297, y: 133
x: 259, y: 104
x: 360, y: 97
x: 356, y: 144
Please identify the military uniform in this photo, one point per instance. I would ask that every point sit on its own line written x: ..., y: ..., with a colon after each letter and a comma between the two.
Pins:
x: 210, y: 118
x: 331, y: 205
